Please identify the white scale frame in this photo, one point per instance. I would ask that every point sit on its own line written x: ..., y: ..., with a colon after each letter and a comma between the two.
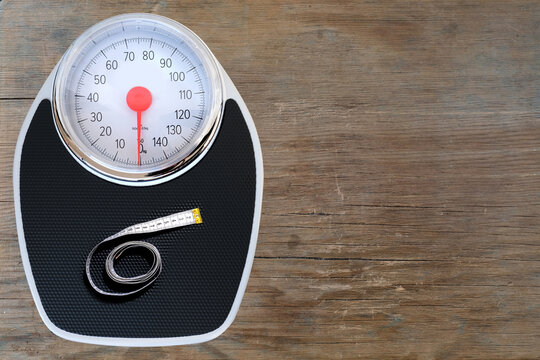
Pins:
x: 229, y: 92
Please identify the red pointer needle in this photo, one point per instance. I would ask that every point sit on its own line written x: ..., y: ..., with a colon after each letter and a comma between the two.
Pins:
x: 139, y: 99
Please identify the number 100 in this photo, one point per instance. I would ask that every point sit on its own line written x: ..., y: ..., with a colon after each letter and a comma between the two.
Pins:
x: 177, y: 76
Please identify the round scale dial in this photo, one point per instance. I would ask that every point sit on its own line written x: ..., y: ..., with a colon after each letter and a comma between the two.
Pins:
x: 137, y: 97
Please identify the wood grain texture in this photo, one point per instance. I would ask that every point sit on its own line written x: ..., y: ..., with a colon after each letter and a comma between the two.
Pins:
x: 401, y: 211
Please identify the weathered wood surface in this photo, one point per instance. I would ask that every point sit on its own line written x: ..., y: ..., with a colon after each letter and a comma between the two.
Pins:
x: 401, y: 212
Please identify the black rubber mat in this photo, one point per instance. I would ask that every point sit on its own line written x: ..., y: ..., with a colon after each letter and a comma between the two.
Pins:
x: 66, y: 211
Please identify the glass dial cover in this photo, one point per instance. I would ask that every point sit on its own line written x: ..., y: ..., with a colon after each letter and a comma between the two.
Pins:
x: 137, y: 97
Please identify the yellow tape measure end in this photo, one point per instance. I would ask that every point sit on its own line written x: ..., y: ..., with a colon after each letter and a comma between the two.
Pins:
x: 197, y: 216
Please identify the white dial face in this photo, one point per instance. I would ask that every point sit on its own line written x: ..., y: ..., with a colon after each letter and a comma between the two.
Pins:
x: 137, y: 95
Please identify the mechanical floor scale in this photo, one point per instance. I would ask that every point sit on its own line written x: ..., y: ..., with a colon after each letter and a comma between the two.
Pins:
x: 138, y: 185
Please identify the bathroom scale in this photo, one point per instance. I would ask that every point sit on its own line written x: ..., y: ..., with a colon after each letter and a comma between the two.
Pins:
x: 138, y: 184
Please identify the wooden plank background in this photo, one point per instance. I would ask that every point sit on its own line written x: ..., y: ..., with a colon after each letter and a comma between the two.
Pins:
x: 401, y: 212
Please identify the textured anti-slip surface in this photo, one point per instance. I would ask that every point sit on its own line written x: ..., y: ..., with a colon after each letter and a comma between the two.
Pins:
x: 66, y: 211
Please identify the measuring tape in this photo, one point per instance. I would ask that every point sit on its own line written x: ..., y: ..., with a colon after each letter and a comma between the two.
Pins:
x: 180, y: 219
